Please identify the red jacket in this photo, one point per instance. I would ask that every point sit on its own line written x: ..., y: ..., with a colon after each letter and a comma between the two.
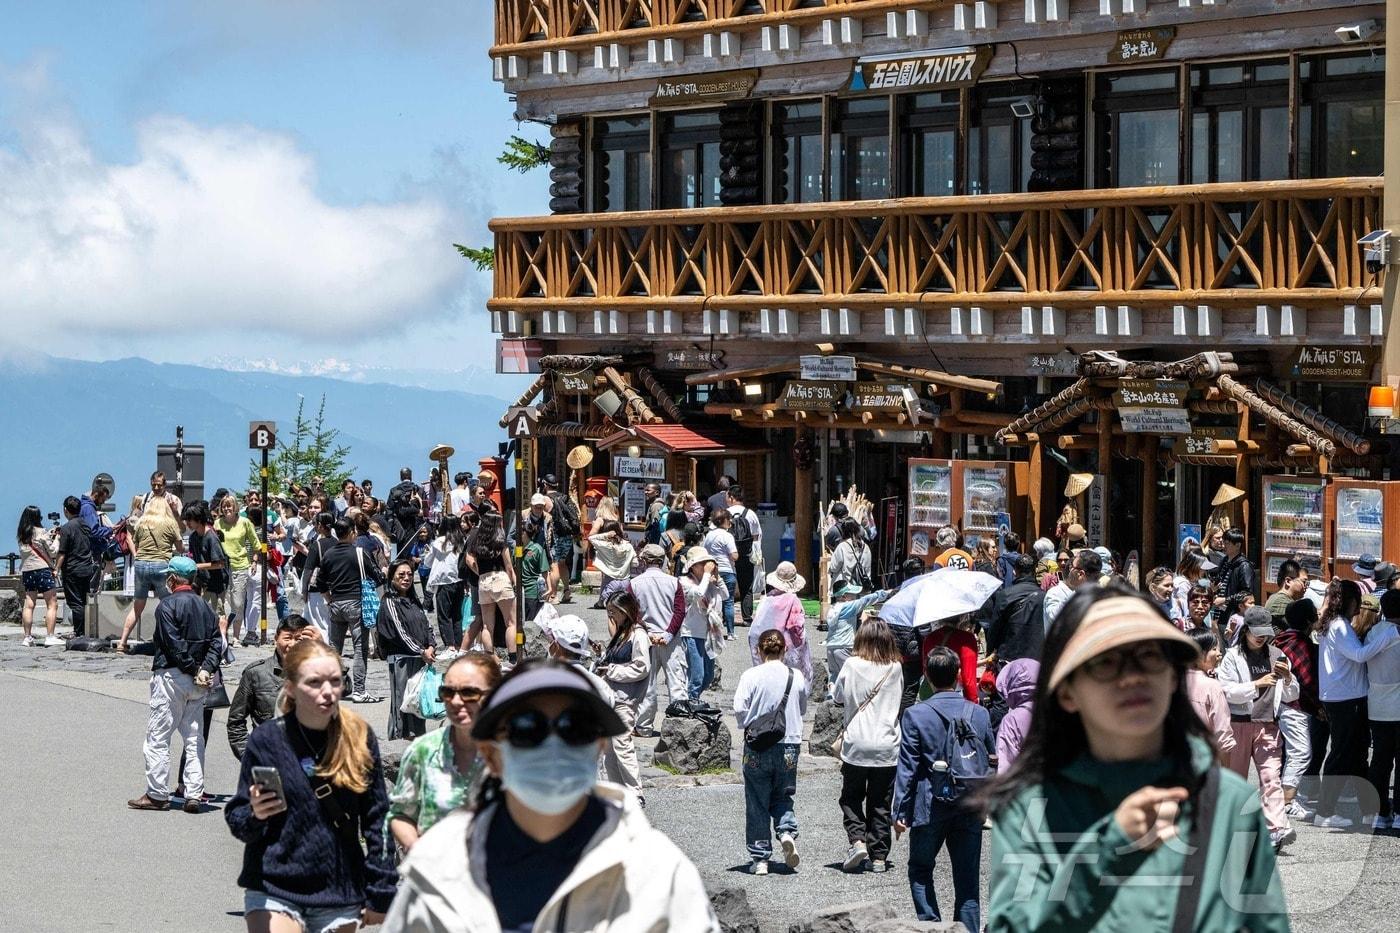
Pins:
x: 965, y: 644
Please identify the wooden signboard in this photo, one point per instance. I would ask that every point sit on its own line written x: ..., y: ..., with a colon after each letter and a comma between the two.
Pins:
x: 878, y: 397
x: 1150, y: 393
x: 832, y: 368
x: 921, y: 71
x: 1203, y: 441
x: 1155, y: 420
x: 644, y: 468
x: 699, y: 89
x: 1142, y: 45
x: 691, y: 360
x: 802, y: 395
x: 1052, y: 364
x: 573, y: 383
x: 1334, y: 364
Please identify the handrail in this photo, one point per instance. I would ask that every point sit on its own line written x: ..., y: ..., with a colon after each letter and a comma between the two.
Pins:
x: 968, y: 203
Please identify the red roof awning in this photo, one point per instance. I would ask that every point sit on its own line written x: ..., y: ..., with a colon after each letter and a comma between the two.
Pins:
x: 679, y: 439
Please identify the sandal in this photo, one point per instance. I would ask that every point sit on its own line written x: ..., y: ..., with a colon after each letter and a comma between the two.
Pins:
x: 119, y: 648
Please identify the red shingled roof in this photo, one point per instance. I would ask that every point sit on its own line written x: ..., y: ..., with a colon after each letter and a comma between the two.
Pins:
x: 677, y: 438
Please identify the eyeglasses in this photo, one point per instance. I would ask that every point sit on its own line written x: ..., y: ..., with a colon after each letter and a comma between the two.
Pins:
x: 1147, y: 658
x: 529, y: 728
x: 465, y: 694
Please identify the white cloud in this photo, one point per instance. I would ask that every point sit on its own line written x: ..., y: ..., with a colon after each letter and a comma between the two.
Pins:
x: 209, y: 230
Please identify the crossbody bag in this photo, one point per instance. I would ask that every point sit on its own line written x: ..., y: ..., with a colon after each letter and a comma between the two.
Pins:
x: 841, y: 736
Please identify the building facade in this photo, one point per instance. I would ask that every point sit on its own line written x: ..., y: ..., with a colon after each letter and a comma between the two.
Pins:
x: 963, y: 198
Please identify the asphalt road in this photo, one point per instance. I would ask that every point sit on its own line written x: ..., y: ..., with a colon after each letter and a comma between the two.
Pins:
x: 78, y: 860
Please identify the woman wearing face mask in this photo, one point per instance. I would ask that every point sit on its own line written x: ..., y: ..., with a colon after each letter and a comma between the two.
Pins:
x: 626, y: 668
x: 547, y: 847
x: 1207, y: 696
x: 1115, y: 768
x: 315, y: 857
x: 1257, y: 681
x: 440, y: 770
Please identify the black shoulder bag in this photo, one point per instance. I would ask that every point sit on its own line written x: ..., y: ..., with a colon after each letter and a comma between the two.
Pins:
x: 770, y: 728
x: 1188, y: 899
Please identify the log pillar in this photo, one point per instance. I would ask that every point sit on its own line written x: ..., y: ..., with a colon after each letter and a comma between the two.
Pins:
x: 1149, y: 504
x: 1106, y: 471
x: 1035, y: 496
x: 802, y: 515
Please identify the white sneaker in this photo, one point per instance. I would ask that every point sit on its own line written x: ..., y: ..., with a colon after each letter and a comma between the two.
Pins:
x: 855, y: 856
x: 1296, y: 811
x: 1282, y: 837
x: 758, y: 866
x: 879, y: 866
x: 28, y: 641
x: 789, y: 845
x: 53, y: 642
x: 1332, y: 822
x: 1382, y: 822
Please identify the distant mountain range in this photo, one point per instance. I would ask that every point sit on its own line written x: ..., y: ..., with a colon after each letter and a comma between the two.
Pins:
x: 65, y: 420
x: 471, y: 379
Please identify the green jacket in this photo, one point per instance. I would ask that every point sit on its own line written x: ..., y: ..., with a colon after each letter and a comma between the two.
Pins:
x: 534, y: 568
x: 1059, y: 859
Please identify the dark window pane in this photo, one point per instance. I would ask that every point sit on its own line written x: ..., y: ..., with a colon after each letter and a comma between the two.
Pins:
x: 1305, y: 141
x: 1229, y: 145
x: 1271, y: 71
x: 1273, y: 143
x: 936, y: 163
x: 1353, y: 138
x: 1228, y: 74
x: 1366, y: 63
x: 1147, y: 148
x: 1133, y: 81
x: 1200, y: 147
x: 990, y: 171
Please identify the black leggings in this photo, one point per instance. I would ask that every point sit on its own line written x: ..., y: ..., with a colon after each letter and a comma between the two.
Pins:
x: 1385, y: 760
x: 447, y: 603
x: 1347, y: 756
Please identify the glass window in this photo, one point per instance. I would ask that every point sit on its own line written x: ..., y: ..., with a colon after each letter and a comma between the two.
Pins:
x: 1353, y: 131
x: 689, y: 155
x: 998, y: 142
x: 1239, y: 122
x: 1139, y: 131
x: 929, y: 140
x: 1135, y: 81
x: 1146, y: 148
x: 620, y: 177
x: 860, y: 150
x: 1272, y: 133
x: 1341, y: 115
x: 797, y: 152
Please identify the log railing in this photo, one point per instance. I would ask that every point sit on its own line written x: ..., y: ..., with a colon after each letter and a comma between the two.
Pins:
x: 524, y: 26
x: 1266, y: 242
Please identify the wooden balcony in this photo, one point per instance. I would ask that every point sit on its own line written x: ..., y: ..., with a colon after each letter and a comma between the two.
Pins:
x: 1278, y: 242
x: 534, y: 25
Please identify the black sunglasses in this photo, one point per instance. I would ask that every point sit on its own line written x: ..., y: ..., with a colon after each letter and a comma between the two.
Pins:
x: 529, y: 728
x: 465, y: 694
x: 1148, y: 658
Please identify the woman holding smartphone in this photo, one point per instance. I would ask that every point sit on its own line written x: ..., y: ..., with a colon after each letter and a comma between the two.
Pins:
x: 547, y: 847
x: 310, y: 809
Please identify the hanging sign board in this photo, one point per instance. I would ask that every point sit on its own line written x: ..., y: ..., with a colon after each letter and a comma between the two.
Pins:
x: 522, y: 421
x: 634, y: 500
x: 811, y: 396
x: 878, y: 397
x: 921, y: 71
x: 1150, y: 393
x: 1155, y: 420
x: 700, y: 89
x: 573, y: 383
x: 1094, y: 511
x: 832, y: 368
x: 691, y: 360
x: 1334, y: 364
x: 1142, y: 45
x: 647, y: 468
x: 262, y: 435
x: 1052, y: 364
x: 1203, y: 441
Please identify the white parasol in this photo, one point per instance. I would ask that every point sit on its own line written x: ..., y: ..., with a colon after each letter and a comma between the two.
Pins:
x: 947, y: 593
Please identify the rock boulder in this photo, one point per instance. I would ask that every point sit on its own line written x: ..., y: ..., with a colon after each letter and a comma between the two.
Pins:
x: 10, y: 603
x: 821, y: 680
x: 903, y: 925
x: 827, y: 720
x: 687, y: 746
x: 731, y: 906
x: 847, y: 918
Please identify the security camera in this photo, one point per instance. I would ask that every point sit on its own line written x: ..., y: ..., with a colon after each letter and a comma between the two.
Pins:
x: 1377, y: 247
x: 1358, y: 32
x: 1023, y: 108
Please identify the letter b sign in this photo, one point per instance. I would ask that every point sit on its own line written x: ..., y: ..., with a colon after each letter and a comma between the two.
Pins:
x: 262, y: 435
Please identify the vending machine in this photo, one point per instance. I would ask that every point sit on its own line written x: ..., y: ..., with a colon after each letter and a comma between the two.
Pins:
x: 992, y: 499
x: 1294, y: 512
x: 931, y: 501
x: 1362, y: 517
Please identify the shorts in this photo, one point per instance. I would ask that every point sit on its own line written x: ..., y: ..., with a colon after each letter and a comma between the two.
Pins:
x: 312, y: 919
x: 495, y: 587
x: 150, y: 578
x: 38, y: 581
x: 562, y: 550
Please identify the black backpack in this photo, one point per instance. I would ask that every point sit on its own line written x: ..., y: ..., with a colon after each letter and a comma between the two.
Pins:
x: 965, y: 760
x: 743, y: 535
x: 565, y: 516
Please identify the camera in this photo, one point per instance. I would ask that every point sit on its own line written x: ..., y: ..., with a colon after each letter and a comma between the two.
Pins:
x: 53, y: 516
x: 1376, y: 245
x: 1358, y: 32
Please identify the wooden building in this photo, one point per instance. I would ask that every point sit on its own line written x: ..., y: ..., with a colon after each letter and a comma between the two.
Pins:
x: 978, y: 191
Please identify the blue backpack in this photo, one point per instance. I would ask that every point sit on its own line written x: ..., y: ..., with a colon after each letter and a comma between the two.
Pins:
x: 966, y: 760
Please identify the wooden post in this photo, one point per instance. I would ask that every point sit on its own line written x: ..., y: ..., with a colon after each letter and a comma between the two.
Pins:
x: 1148, y: 450
x: 1242, y: 481
x: 1106, y: 471
x: 1034, y: 496
x: 1390, y: 361
x: 802, y: 511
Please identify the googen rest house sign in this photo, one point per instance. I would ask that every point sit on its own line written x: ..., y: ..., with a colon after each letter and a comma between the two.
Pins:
x: 940, y: 68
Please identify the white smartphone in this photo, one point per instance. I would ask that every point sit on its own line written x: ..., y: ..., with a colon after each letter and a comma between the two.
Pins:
x: 269, y: 779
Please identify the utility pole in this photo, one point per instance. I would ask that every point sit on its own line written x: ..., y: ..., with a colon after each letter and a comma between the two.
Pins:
x: 262, y: 436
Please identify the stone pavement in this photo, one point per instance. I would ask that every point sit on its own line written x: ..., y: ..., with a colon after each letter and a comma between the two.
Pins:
x: 72, y: 733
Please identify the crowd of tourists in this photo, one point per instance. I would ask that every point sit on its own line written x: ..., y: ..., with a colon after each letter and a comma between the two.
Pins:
x: 1132, y: 716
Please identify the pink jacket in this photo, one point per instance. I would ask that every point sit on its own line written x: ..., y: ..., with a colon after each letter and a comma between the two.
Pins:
x: 1208, y: 700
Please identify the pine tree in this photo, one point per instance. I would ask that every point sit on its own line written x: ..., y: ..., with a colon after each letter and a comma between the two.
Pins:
x: 313, y: 451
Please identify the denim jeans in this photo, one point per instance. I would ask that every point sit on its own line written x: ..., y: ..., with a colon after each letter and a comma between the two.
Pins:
x: 770, y: 781
x: 731, y: 583
x: 961, y: 830
x: 345, y: 618
x: 700, y: 666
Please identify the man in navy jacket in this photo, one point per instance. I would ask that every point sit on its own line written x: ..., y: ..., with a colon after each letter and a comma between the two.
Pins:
x: 919, y: 779
x: 186, y: 641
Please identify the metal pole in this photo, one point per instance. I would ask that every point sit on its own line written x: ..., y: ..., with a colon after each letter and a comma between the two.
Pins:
x: 1390, y: 210
x: 519, y: 549
x: 262, y: 620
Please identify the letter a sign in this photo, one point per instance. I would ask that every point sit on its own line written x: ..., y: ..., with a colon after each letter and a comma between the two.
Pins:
x: 521, y: 420
x: 262, y: 435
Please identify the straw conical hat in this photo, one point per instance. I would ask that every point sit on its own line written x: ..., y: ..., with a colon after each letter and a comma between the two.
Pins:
x: 580, y: 457
x: 441, y: 452
x: 1226, y: 493
x: 1078, y: 483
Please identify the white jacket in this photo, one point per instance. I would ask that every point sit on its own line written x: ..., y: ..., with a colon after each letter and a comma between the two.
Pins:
x: 871, y: 739
x: 630, y: 878
x: 1234, y: 679
x: 1383, y: 685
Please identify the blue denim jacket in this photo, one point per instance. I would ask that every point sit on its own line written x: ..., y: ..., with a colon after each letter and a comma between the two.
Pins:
x: 922, y: 735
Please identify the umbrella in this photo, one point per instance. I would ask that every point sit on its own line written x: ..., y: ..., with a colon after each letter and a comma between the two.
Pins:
x: 947, y: 593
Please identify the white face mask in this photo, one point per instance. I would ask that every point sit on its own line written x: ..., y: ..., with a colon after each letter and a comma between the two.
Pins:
x: 552, y: 777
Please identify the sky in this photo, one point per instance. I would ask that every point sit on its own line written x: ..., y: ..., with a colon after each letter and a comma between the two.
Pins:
x: 271, y: 180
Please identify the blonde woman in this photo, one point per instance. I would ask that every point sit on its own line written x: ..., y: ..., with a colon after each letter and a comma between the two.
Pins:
x: 315, y: 855
x: 155, y: 539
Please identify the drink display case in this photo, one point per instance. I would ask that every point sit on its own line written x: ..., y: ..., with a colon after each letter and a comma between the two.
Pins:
x: 1363, y: 517
x: 931, y: 503
x: 1294, y: 512
x: 993, y: 496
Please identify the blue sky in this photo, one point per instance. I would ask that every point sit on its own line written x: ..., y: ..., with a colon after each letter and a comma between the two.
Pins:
x: 277, y: 179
